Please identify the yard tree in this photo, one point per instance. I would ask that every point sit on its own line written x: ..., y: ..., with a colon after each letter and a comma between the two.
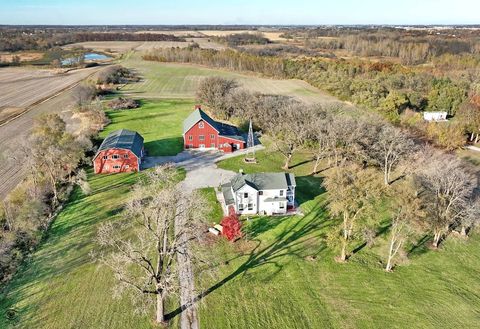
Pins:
x: 146, y: 242
x: 352, y: 194
x: 54, y: 151
x: 471, y: 217
x: 288, y: 130
x: 391, y: 147
x: 321, y: 139
x: 214, y: 92
x: 406, y: 213
x: 447, y: 186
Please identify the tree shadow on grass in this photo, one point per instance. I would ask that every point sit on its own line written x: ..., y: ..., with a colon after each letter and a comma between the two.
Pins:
x: 295, y: 241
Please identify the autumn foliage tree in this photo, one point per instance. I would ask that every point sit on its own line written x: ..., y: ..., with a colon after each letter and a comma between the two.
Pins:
x: 232, y: 227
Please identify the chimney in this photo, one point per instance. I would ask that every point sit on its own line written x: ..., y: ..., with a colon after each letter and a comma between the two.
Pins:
x: 198, y: 107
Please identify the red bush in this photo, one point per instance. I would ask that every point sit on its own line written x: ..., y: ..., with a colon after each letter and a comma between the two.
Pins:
x: 232, y: 227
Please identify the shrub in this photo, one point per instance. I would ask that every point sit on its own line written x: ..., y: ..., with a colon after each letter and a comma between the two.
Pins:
x: 123, y: 104
x: 232, y: 227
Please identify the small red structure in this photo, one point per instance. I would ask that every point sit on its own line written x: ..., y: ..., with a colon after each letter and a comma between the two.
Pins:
x: 202, y: 132
x: 121, y: 151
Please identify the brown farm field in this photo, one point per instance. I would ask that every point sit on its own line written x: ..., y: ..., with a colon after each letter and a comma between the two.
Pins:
x: 26, y: 93
x: 125, y: 46
x: 22, y: 87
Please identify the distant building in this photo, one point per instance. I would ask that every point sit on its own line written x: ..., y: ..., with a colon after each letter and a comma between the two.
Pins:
x: 202, y: 132
x: 435, y: 116
x: 121, y: 151
x: 260, y: 193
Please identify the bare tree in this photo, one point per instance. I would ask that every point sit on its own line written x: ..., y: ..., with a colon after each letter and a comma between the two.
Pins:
x: 406, y: 211
x: 447, y: 186
x: 352, y: 193
x: 471, y: 216
x: 144, y: 262
x: 392, y: 147
x: 214, y: 92
x: 54, y: 152
x: 288, y: 130
x: 83, y: 94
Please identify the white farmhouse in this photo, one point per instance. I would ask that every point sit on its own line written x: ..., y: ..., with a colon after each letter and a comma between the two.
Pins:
x: 435, y: 116
x: 260, y: 193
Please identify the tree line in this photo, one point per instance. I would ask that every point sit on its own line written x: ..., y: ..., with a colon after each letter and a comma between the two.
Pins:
x: 368, y: 165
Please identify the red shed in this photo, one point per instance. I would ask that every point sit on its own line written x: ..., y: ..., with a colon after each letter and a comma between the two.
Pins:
x: 121, y: 151
x: 202, y: 132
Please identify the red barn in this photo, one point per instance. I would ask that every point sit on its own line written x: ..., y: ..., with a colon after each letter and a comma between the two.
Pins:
x: 202, y: 132
x: 121, y: 151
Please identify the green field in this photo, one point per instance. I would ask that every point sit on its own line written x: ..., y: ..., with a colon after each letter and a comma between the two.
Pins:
x: 170, y: 80
x: 160, y: 122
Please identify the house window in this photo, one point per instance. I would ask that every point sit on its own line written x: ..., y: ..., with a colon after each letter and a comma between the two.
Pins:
x: 281, y: 192
x: 125, y: 156
x: 212, y: 136
x: 200, y: 125
x: 250, y: 206
x: 190, y: 146
x: 105, y: 157
x: 245, y: 195
x: 190, y: 138
x: 127, y: 166
x: 260, y: 192
x: 282, y: 205
x: 116, y: 167
x: 212, y: 145
x: 115, y: 156
x: 240, y: 207
x: 201, y: 137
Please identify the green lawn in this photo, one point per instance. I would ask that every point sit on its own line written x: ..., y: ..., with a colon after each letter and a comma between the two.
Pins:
x: 284, y: 276
x: 160, y: 122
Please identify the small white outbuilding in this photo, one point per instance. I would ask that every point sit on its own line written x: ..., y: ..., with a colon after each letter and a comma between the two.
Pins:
x: 435, y: 116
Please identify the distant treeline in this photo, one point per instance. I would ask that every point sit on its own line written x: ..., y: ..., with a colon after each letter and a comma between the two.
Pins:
x: 83, y: 37
x: 240, y: 39
x: 411, y: 46
x: 21, y: 40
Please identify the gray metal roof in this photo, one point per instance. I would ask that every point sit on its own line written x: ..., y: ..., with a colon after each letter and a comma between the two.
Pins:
x: 227, y: 194
x: 223, y: 129
x: 264, y: 181
x: 123, y: 139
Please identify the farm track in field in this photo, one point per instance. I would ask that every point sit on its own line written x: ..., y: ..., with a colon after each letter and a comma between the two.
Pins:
x: 53, y: 97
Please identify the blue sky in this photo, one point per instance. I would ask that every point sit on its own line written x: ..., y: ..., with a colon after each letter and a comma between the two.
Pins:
x: 240, y: 12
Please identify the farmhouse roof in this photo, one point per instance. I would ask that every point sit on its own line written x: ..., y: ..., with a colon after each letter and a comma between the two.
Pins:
x: 123, y: 139
x: 263, y: 181
x: 223, y: 129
